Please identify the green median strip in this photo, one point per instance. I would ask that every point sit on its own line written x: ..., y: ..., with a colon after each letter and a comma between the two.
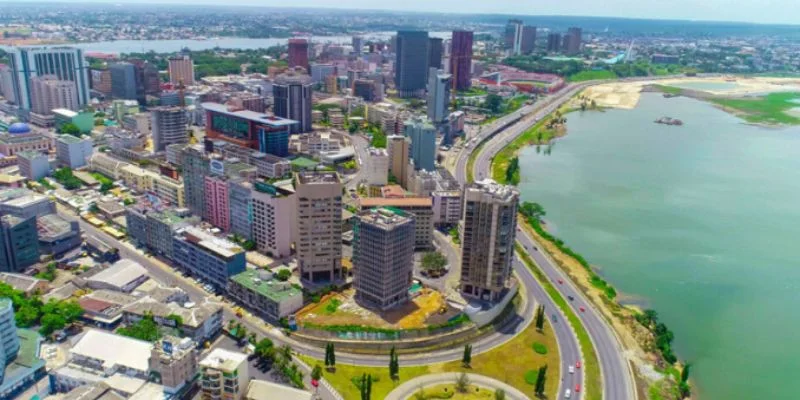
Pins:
x: 590, y: 364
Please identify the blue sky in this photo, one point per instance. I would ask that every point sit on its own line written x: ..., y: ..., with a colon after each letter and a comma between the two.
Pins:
x: 761, y: 11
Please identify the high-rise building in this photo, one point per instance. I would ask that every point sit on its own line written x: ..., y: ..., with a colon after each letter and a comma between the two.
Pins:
x: 358, y: 45
x: 572, y: 41
x: 292, y: 94
x: 169, y: 127
x: 7, y: 83
x: 528, y: 39
x: 398, y: 148
x: 513, y: 35
x: 321, y: 71
x: 439, y: 85
x: 376, y: 171
x: 20, y: 244
x: 489, y: 229
x: 9, y: 341
x: 411, y: 65
x: 240, y: 200
x: 224, y: 374
x: 435, y: 52
x: 181, y: 69
x: 423, y: 143
x: 274, y: 210
x: 147, y: 77
x: 73, y: 152
x: 298, y: 53
x: 553, y: 42
x: 420, y: 207
x: 100, y: 81
x: 195, y: 168
x: 461, y: 59
x: 318, y: 226
x: 217, y: 206
x: 49, y: 93
x: 66, y: 63
x: 123, y: 82
x: 33, y: 164
x: 175, y: 361
x: 266, y: 133
x: 383, y: 257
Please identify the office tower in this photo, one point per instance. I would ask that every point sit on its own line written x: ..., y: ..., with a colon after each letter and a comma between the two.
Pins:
x: 321, y: 71
x: 487, y: 250
x: 292, y: 94
x: 439, y: 85
x: 73, y: 152
x: 123, y: 82
x: 553, y: 42
x: 217, y: 206
x: 66, y: 63
x: 572, y: 41
x: 7, y: 83
x: 224, y: 374
x: 376, y: 171
x: 398, y: 148
x: 240, y: 200
x: 175, y: 361
x: 169, y: 127
x: 318, y: 226
x: 423, y: 143
x: 258, y: 131
x: 20, y: 243
x: 513, y: 37
x: 358, y: 45
x: 461, y: 59
x: 195, y: 168
x: 274, y: 210
x: 298, y: 54
x: 48, y: 93
x: 147, y: 77
x: 435, y: 51
x: 181, y: 69
x: 33, y: 165
x: 528, y: 39
x: 383, y: 257
x: 100, y: 80
x: 411, y: 65
x: 9, y: 341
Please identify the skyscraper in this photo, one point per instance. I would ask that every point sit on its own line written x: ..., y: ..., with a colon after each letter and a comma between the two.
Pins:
x: 181, y: 69
x: 274, y: 210
x: 19, y: 243
x: 168, y: 126
x: 123, y: 82
x: 572, y: 41
x: 48, y: 93
x: 293, y: 96
x: 318, y: 226
x: 7, y: 83
x: 67, y: 63
x: 358, y: 45
x: 553, y: 42
x: 383, y: 257
x: 147, y: 79
x: 513, y: 35
x: 461, y: 59
x: 528, y: 39
x: 435, y: 51
x: 9, y: 340
x: 423, y: 143
x: 411, y: 65
x: 298, y: 53
x: 487, y: 251
x: 195, y: 168
x: 439, y: 85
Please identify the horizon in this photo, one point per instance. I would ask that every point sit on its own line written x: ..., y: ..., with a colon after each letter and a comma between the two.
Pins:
x: 503, y: 10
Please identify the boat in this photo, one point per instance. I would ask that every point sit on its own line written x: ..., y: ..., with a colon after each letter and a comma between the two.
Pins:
x: 669, y: 121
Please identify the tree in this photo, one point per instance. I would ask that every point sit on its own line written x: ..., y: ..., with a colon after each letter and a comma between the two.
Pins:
x: 512, y: 172
x: 265, y: 350
x: 434, y: 262
x: 466, y: 360
x: 283, y: 275
x: 539, y: 321
x: 493, y: 103
x: 248, y: 245
x: 316, y: 372
x: 540, y: 380
x: 532, y: 210
x: 394, y: 365
x: 70, y: 129
x: 499, y: 394
x: 462, y: 383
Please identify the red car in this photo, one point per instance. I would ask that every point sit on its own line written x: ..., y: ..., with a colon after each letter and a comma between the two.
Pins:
x: 578, y: 365
x: 577, y: 388
x: 582, y: 309
x: 560, y: 282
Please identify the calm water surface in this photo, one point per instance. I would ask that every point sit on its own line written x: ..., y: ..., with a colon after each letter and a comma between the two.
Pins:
x: 700, y: 222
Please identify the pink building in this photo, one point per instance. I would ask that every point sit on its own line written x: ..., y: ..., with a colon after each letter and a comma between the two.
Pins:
x: 217, y: 207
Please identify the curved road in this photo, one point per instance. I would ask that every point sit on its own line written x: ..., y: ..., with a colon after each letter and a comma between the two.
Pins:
x: 616, y: 373
x: 407, y: 389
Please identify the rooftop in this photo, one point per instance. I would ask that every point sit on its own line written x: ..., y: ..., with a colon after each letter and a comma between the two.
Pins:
x: 370, y: 202
x: 496, y: 190
x: 121, y: 273
x: 222, y: 247
x: 263, y: 390
x: 70, y: 139
x: 257, y: 117
x: 373, y: 151
x: 384, y: 217
x: 223, y: 360
x: 65, y: 112
x: 318, y: 177
x: 18, y: 281
x: 113, y: 349
x: 53, y: 226
x: 261, y: 282
x: 192, y: 317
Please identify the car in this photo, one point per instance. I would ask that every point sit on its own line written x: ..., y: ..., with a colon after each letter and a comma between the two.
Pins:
x: 560, y: 282
x: 578, y: 365
x: 571, y: 369
x: 582, y: 309
x: 567, y: 394
x: 577, y: 388
x: 570, y: 298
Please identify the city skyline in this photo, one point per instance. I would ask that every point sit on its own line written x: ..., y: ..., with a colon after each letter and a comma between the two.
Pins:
x: 750, y: 11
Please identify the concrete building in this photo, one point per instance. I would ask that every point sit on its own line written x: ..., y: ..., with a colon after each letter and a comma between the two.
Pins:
x: 321, y: 71
x: 435, y: 52
x: 446, y: 207
x: 423, y: 143
x: 258, y: 131
x: 154, y: 228
x: 274, y: 215
x: 9, y: 341
x: 48, y: 93
x: 398, y: 149
x: 100, y: 81
x: 377, y: 168
x: 7, y: 83
x: 73, y: 152
x: 439, y: 85
x: 240, y: 201
x: 358, y: 45
x: 553, y: 42
x: 224, y: 375
x: 513, y: 36
x: 25, y: 204
x: 317, y: 229
x: 292, y: 93
x: 267, y: 297
x: 421, y: 208
x: 19, y: 247
x: 66, y: 63
x: 169, y: 126
x: 83, y: 120
x: 411, y: 64
x: 20, y: 363
x: 270, y: 166
x: 175, y: 361
x: 123, y: 82
x: 20, y: 137
x: 383, y: 257
x: 106, y: 164
x: 24, y: 283
x: 217, y: 206
x: 181, y: 70
x: 33, y: 165
x: 461, y: 59
x: 368, y: 89
x: 298, y: 53
x: 572, y: 41
x: 205, y: 256
x: 528, y: 39
x: 200, y: 322
x: 123, y: 276
x: 489, y: 230
x: 264, y: 390
x: 57, y: 235
x: 195, y: 168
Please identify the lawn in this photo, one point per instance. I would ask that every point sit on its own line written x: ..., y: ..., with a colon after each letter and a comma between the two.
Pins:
x: 591, y: 75
x: 769, y: 109
x: 528, y: 138
x: 669, y: 89
x: 472, y: 91
x: 472, y: 393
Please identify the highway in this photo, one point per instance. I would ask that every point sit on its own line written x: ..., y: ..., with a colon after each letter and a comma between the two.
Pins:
x: 616, y: 373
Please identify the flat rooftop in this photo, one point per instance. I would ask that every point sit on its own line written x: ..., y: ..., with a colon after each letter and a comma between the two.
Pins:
x: 273, y: 289
x: 223, y: 360
x: 113, y: 349
x: 222, y: 247
x: 369, y: 202
x: 263, y: 390
x: 257, y: 117
x: 318, y: 177
x: 385, y: 217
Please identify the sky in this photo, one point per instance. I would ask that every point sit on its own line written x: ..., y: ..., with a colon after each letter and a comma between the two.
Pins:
x: 758, y: 11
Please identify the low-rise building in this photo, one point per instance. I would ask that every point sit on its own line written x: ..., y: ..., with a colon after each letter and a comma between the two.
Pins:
x: 33, y: 164
x: 154, y: 227
x: 268, y: 297
x: 203, y: 255
x: 73, y: 152
x: 201, y: 322
x: 57, y: 235
x: 446, y: 207
x: 224, y: 374
x: 263, y: 390
x: 106, y: 164
x: 27, y: 284
x: 175, y: 361
x: 123, y: 276
x: 24, y: 203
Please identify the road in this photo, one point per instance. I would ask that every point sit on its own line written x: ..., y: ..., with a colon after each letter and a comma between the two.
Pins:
x: 616, y: 374
x: 361, y: 144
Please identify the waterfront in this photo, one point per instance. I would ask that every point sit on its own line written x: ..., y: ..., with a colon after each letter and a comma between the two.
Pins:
x: 697, y: 222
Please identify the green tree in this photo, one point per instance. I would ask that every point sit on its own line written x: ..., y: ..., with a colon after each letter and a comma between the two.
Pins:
x: 283, y: 275
x: 462, y: 383
x: 394, y: 365
x: 512, y: 172
x: 51, y: 323
x: 532, y: 210
x: 539, y: 321
x: 316, y: 372
x: 540, y: 380
x: 146, y: 329
x: 499, y: 394
x: 265, y: 350
x: 493, y: 103
x: 434, y: 262
x: 466, y: 359
x: 70, y: 129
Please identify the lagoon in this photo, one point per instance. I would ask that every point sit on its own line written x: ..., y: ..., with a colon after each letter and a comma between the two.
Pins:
x: 699, y: 222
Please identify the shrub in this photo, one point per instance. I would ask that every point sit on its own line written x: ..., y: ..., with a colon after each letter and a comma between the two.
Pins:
x: 530, y: 377
x: 539, y: 348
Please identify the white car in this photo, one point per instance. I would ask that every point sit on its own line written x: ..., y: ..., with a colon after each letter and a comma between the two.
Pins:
x: 571, y: 369
x: 567, y: 394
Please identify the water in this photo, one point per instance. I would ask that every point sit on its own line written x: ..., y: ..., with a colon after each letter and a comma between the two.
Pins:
x: 700, y: 85
x: 171, y: 46
x: 699, y: 222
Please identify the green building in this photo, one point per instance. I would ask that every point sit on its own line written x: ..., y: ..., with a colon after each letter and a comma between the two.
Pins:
x: 83, y: 120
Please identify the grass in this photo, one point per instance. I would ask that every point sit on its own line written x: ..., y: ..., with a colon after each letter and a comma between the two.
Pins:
x: 473, y: 91
x: 471, y: 161
x: 591, y: 75
x: 669, y: 89
x: 101, y: 178
x: 448, y: 391
x: 769, y: 109
x: 528, y: 138
x: 591, y: 366
x: 539, y: 348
